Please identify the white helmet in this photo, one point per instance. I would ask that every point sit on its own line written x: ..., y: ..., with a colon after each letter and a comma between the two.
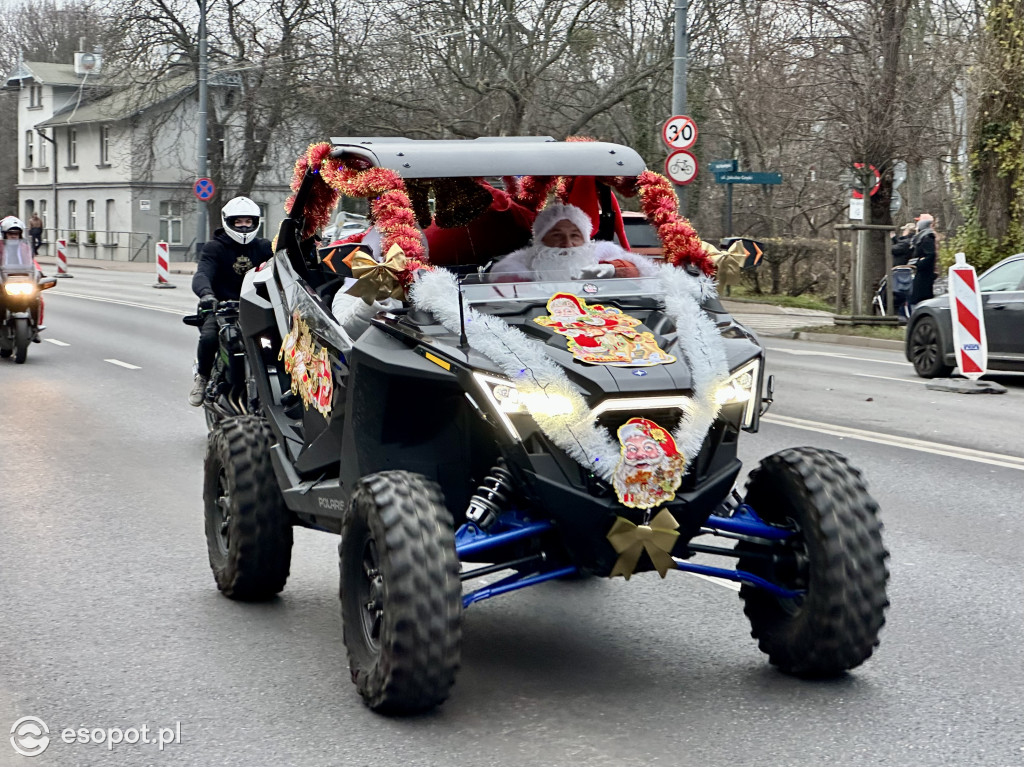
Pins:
x: 240, y: 206
x: 12, y: 222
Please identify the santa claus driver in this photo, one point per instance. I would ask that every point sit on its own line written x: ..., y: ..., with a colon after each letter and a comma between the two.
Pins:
x: 650, y: 467
x: 562, y: 249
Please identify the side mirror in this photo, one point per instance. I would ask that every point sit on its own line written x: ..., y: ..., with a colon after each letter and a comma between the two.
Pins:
x: 47, y: 283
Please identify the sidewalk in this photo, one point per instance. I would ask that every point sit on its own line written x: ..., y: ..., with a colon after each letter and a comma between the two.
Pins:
x: 771, y: 320
x: 176, y: 267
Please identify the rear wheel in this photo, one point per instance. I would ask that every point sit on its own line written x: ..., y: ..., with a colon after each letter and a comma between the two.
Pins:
x: 836, y: 557
x: 926, y: 349
x: 248, y: 528
x: 401, y: 598
x: 22, y: 337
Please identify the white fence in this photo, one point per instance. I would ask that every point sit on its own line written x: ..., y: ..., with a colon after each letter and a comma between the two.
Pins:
x: 108, y: 246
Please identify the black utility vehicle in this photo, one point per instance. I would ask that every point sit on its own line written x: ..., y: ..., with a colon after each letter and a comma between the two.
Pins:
x: 459, y: 437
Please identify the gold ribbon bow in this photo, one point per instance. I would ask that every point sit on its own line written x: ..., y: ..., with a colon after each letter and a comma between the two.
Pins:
x: 377, y: 280
x: 729, y: 262
x: 657, y: 539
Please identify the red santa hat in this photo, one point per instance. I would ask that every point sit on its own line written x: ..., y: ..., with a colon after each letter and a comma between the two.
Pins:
x: 642, y: 427
x: 567, y: 297
x: 555, y: 212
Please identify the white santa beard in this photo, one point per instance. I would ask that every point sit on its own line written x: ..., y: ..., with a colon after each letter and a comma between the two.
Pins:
x: 559, y: 262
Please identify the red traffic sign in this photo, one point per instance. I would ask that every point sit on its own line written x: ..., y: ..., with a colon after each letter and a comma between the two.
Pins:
x: 681, y: 167
x: 679, y: 132
x: 969, y: 341
x: 204, y: 189
x: 859, y: 195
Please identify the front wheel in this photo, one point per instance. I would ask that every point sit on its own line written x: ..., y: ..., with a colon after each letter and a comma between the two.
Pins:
x: 248, y: 528
x: 836, y: 558
x: 401, y: 598
x: 926, y: 349
x: 22, y: 337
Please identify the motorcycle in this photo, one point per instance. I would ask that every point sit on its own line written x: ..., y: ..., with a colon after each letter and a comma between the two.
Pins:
x: 230, y: 391
x: 20, y: 300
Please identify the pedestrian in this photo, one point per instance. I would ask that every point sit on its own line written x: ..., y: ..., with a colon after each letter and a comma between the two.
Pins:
x: 903, y: 245
x: 234, y: 250
x: 924, y: 253
x: 35, y: 231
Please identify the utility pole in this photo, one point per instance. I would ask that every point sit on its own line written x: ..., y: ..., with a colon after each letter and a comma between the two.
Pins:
x: 201, y: 153
x: 56, y: 208
x: 679, y: 62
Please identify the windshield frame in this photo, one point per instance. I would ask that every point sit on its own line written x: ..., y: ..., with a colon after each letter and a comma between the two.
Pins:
x: 489, y: 289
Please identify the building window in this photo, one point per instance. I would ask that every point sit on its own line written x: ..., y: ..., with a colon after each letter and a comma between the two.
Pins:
x: 35, y: 96
x: 30, y: 146
x: 72, y: 148
x: 42, y: 212
x: 104, y: 145
x: 30, y: 205
x: 170, y: 222
x: 42, y: 152
x: 111, y: 233
x: 72, y: 221
x: 90, y: 221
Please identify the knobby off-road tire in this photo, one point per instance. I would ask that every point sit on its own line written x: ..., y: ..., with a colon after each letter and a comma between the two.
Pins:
x: 248, y: 529
x: 926, y: 350
x: 401, y: 598
x: 22, y: 337
x: 837, y: 556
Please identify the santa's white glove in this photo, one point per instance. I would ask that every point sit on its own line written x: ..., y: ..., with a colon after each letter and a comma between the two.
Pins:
x: 597, y: 272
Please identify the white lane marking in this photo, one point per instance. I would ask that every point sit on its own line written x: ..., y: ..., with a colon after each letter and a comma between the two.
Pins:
x: 920, y: 445
x: 123, y: 364
x: 55, y: 342
x: 718, y: 581
x: 890, y: 378
x: 164, y: 309
x: 806, y: 353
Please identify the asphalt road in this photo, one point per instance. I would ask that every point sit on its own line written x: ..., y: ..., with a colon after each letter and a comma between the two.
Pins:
x: 111, y: 618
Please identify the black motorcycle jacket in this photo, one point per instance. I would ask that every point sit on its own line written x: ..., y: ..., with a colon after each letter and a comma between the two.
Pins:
x: 224, y: 262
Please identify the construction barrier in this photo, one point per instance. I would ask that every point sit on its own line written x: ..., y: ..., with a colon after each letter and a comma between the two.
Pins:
x: 965, y: 305
x: 62, y: 258
x: 163, y: 266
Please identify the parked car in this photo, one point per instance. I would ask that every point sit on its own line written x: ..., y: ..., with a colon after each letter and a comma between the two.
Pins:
x: 642, y: 236
x: 345, y: 224
x: 929, y: 343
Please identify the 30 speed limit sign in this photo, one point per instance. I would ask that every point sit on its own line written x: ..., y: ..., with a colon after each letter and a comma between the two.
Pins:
x: 681, y: 167
x: 680, y: 132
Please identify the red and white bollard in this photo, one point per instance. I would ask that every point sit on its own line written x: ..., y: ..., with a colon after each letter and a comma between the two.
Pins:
x: 62, y: 258
x: 965, y: 306
x: 163, y: 266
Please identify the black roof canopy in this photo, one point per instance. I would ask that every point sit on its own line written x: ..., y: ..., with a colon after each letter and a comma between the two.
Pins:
x: 506, y: 156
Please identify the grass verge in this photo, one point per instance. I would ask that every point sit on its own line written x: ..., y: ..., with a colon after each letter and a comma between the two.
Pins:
x: 867, y: 331
x: 744, y: 294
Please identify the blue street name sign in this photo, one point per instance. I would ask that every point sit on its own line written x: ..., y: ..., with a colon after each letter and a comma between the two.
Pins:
x: 723, y: 166
x: 748, y: 178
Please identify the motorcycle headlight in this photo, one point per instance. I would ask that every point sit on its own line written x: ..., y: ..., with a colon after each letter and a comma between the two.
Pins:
x: 19, y: 288
x: 506, y: 399
x: 741, y: 387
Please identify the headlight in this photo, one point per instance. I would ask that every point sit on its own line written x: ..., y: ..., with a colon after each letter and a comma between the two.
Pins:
x: 507, y: 399
x: 19, y: 288
x: 741, y: 387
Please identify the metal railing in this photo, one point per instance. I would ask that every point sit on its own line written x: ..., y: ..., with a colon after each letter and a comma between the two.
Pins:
x: 108, y: 246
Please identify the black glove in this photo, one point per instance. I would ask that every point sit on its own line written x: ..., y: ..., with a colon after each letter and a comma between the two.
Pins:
x: 207, y: 303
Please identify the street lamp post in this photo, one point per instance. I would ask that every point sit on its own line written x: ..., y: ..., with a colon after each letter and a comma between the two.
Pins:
x: 201, y: 150
x: 56, y: 208
x: 679, y: 62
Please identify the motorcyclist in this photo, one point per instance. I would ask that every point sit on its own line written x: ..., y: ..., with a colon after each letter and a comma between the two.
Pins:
x: 13, y: 228
x: 234, y: 250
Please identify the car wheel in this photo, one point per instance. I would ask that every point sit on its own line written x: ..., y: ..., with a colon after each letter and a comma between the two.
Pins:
x: 401, y: 597
x: 926, y: 349
x: 248, y: 528
x: 836, y: 558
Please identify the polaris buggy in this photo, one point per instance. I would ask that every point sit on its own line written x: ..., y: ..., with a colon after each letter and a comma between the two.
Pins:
x: 465, y: 433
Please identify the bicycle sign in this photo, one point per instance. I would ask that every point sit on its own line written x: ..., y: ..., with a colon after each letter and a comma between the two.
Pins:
x: 204, y: 189
x: 681, y: 167
x: 680, y: 132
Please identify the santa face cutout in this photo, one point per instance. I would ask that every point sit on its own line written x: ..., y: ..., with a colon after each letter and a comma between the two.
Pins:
x: 650, y: 465
x: 601, y: 335
x: 310, y: 369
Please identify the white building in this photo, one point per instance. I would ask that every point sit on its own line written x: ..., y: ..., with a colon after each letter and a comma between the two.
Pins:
x: 111, y: 167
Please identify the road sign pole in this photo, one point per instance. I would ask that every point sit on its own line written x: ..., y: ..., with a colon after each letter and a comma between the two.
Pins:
x: 728, y: 210
x: 201, y: 149
x: 679, y: 71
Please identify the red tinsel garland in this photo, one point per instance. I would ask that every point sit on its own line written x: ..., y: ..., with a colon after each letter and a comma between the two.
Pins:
x: 661, y: 207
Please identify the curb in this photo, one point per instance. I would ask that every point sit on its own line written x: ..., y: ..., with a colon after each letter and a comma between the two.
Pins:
x: 832, y: 338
